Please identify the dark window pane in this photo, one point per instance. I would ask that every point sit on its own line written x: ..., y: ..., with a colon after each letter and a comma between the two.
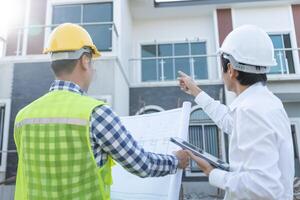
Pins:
x: 181, y: 49
x: 149, y: 111
x: 164, y: 50
x: 195, y: 138
x: 281, y: 66
x: 182, y: 64
x: 198, y: 48
x: 296, y: 150
x: 226, y: 138
x: 277, y: 41
x: 149, y: 70
x: 200, y: 68
x: 295, y: 144
x: 166, y: 65
x: 289, y: 54
x: 66, y: 13
x: 101, y: 35
x: 97, y: 12
x: 211, y: 140
x: 148, y: 51
x: 2, y: 115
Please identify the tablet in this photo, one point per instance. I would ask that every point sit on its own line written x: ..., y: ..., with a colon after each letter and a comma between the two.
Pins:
x: 214, y: 161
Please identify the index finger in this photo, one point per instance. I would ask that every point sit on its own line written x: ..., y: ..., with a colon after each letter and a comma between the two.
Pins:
x: 182, y: 74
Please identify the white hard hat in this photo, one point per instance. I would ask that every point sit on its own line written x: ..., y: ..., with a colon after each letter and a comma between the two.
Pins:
x: 249, y: 46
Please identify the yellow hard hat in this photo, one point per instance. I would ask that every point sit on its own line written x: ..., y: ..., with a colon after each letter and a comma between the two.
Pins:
x: 70, y: 37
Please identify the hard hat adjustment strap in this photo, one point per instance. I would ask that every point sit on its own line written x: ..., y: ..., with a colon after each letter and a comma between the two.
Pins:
x: 245, y: 67
x: 69, y: 55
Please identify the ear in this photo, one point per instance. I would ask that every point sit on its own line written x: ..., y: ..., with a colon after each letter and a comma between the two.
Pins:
x: 232, y: 72
x: 84, y: 62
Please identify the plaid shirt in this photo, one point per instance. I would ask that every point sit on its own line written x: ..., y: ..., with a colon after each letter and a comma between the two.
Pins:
x: 109, y: 137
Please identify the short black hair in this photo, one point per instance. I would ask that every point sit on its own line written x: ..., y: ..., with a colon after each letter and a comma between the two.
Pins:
x: 60, y: 67
x: 245, y: 78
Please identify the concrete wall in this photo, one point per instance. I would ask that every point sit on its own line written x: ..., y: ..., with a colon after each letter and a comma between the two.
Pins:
x: 7, y: 192
x: 292, y: 109
x: 166, y: 97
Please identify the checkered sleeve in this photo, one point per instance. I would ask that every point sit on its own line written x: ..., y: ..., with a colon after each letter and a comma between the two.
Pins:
x: 113, y: 138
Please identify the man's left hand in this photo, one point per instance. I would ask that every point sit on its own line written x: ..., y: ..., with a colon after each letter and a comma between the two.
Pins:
x: 202, y: 164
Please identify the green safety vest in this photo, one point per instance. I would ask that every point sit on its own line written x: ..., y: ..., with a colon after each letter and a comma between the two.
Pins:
x: 56, y: 161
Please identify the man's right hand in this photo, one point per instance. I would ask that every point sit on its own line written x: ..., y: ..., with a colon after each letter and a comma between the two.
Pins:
x: 188, y: 85
x: 183, y: 158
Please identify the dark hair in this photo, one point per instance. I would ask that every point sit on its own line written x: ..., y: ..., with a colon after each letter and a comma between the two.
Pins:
x: 245, y: 78
x: 60, y: 67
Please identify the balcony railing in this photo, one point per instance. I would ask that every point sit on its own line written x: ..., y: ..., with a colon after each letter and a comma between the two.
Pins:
x: 19, y: 38
x: 162, y: 69
x: 200, y: 67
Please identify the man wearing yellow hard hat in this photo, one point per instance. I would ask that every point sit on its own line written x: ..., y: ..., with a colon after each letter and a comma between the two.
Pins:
x: 67, y: 142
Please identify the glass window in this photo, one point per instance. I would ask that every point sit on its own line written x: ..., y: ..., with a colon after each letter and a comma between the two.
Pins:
x: 66, y: 13
x: 204, y: 134
x: 102, y: 36
x: 172, y: 58
x: 199, y: 63
x: 284, y: 58
x: 149, y: 66
x: 96, y: 12
x: 296, y: 150
x: 182, y: 64
x: 149, y: 70
x: 198, y: 48
x: 149, y: 51
x: 181, y: 49
x: 93, y: 13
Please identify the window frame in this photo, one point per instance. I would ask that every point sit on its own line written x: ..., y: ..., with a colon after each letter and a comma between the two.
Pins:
x: 157, y: 43
x: 295, y: 56
x: 149, y: 107
x: 296, y: 123
x: 7, y: 104
x: 49, y: 16
x: 221, y: 148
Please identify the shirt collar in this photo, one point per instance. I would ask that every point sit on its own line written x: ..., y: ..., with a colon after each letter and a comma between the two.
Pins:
x: 244, y: 95
x: 66, y: 85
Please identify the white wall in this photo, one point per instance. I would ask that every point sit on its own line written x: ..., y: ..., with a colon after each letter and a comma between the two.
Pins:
x: 276, y: 19
x: 175, y: 30
x: 271, y: 19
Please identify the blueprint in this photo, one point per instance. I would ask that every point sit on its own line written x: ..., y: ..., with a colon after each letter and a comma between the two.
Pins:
x: 152, y: 131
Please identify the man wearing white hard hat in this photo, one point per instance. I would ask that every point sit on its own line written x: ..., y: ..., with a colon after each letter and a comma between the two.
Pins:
x: 260, y: 148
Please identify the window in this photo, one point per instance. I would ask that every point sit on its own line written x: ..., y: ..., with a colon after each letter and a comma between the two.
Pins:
x: 149, y: 109
x: 203, y: 133
x: 296, y: 142
x: 96, y: 18
x: 4, y: 123
x: 161, y: 62
x: 284, y: 57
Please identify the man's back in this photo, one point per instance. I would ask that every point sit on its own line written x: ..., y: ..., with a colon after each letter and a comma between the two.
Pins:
x: 55, y: 157
x: 261, y: 140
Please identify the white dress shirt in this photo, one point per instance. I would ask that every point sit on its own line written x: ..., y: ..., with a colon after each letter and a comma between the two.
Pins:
x: 260, y: 149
